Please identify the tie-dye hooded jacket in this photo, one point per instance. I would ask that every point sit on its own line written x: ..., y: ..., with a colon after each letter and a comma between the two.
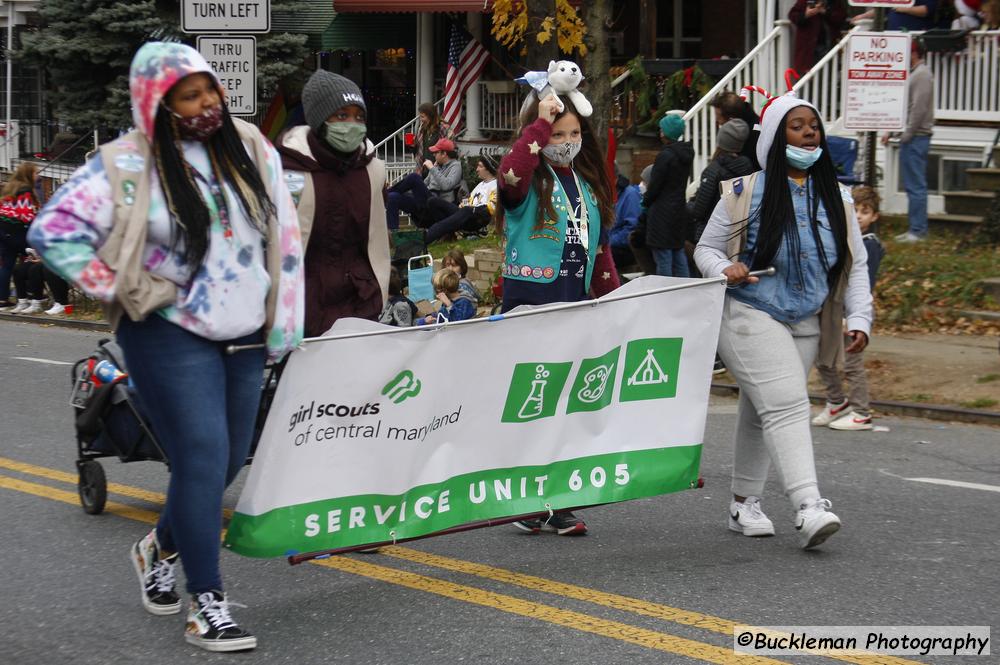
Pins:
x: 225, y: 297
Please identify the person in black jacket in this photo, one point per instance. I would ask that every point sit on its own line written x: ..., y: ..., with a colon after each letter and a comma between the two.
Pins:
x: 727, y: 162
x: 666, y: 213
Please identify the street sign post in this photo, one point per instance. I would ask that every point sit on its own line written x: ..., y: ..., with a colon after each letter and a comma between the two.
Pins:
x: 241, y: 16
x: 234, y: 59
x: 875, y: 81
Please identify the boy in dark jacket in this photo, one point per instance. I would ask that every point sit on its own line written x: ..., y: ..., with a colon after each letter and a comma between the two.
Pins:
x: 666, y: 212
x: 727, y: 163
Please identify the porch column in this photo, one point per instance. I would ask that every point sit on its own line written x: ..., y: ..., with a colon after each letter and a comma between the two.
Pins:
x: 425, y: 59
x: 474, y: 95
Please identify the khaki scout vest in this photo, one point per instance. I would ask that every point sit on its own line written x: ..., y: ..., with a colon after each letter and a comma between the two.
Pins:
x: 128, y: 162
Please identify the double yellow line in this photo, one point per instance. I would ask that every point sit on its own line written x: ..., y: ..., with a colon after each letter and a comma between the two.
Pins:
x: 651, y: 639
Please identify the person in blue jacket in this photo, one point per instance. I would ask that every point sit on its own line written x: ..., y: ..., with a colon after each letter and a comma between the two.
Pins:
x: 627, y: 211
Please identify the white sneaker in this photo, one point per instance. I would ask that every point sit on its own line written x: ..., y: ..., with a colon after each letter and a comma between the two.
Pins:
x: 747, y: 518
x: 815, y: 523
x: 830, y: 413
x: 34, y: 307
x: 909, y: 237
x: 852, y: 421
x: 56, y: 310
x: 21, y: 305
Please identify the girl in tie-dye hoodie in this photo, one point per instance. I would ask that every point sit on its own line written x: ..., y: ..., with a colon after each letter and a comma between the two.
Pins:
x: 221, y: 265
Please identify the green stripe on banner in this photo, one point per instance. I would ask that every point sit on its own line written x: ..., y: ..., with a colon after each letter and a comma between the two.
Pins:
x: 482, y: 495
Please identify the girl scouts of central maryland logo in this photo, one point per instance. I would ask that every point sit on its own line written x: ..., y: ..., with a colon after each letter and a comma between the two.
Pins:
x: 649, y: 371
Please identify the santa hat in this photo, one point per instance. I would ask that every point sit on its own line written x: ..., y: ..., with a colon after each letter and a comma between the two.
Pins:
x: 771, y: 116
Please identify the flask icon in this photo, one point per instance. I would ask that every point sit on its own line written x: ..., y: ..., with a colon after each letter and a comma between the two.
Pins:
x: 534, y: 403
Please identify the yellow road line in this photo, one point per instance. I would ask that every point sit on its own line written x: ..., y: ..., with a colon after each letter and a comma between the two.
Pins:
x: 554, y: 615
x: 566, y: 618
x: 614, y: 601
x: 46, y: 492
x: 71, y: 478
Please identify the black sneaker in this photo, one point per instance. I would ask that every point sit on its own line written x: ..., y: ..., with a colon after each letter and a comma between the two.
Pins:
x: 156, y: 576
x: 718, y: 367
x: 530, y: 526
x: 564, y: 523
x: 210, y: 627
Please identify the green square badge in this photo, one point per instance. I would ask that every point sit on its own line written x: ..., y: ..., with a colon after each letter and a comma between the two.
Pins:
x: 534, y: 391
x: 651, y: 367
x: 594, y: 387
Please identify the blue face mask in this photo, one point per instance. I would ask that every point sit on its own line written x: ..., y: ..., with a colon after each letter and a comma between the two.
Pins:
x: 801, y: 158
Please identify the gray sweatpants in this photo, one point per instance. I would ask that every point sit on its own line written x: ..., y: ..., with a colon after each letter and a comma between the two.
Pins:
x: 770, y: 361
x: 857, y: 380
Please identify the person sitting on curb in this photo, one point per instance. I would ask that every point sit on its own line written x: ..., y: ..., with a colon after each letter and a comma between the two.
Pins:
x: 30, y: 278
x: 399, y: 310
x: 455, y: 261
x: 455, y: 304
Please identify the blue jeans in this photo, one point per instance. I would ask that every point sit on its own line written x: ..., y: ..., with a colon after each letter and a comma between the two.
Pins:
x: 671, y: 262
x: 397, y: 199
x: 202, y: 404
x: 913, y: 166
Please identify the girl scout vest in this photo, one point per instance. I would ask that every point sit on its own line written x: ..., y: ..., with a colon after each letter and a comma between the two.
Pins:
x: 535, y: 255
x: 128, y: 163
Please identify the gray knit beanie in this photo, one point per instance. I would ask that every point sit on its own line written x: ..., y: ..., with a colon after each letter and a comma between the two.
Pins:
x: 325, y: 93
x: 733, y: 135
x: 646, y: 174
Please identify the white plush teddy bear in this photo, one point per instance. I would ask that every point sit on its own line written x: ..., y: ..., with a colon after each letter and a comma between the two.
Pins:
x: 562, y: 78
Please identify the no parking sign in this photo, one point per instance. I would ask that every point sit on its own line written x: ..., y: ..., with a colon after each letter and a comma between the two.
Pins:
x: 875, y: 81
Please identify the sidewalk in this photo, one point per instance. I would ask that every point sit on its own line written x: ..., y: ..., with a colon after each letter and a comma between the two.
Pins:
x: 934, y: 368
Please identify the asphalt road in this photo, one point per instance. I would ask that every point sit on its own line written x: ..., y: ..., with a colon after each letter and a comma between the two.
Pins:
x: 657, y: 581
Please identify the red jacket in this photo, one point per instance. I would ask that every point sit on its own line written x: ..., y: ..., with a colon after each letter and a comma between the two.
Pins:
x: 809, y: 32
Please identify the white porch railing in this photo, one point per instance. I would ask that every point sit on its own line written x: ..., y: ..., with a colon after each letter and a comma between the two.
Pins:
x: 967, y: 83
x: 764, y: 65
x: 499, y: 109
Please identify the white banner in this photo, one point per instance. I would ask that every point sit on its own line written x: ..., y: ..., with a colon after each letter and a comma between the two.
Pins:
x: 385, y: 437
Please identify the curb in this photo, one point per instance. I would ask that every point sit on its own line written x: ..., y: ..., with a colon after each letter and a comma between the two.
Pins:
x: 100, y: 326
x: 911, y: 409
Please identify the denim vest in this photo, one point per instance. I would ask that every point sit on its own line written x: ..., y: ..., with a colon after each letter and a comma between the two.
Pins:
x: 791, y: 295
x: 536, y: 255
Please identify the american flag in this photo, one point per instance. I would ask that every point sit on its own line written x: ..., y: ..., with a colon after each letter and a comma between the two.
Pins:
x: 466, y: 60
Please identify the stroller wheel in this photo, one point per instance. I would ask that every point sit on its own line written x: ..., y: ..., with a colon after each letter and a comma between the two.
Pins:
x: 92, y: 487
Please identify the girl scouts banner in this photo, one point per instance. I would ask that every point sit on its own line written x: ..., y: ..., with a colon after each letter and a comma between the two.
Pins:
x: 376, y: 438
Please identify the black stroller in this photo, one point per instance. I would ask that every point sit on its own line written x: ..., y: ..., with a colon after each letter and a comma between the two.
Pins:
x: 109, y: 420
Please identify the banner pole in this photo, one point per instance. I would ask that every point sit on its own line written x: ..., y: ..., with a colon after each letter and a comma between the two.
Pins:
x: 767, y: 272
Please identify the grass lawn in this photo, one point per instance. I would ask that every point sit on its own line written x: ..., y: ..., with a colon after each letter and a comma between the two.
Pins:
x: 919, y: 285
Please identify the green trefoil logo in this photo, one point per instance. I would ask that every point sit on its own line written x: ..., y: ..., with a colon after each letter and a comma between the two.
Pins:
x: 404, y: 386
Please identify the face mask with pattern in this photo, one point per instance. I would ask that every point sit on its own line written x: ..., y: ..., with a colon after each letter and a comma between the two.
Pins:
x: 562, y: 153
x: 200, y: 127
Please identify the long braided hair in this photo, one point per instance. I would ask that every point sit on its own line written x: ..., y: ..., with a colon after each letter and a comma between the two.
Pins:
x: 777, y: 213
x: 187, y: 207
